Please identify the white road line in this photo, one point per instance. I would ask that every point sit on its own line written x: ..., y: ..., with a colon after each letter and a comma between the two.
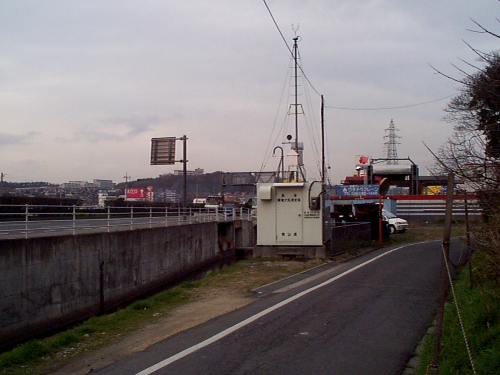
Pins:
x: 253, y: 318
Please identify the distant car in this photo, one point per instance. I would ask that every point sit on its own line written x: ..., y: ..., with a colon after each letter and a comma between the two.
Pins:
x: 395, y: 223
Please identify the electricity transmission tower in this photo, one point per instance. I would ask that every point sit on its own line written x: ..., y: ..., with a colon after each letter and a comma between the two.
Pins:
x: 391, y: 143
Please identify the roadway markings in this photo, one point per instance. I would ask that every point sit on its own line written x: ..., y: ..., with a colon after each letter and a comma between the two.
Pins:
x: 253, y: 318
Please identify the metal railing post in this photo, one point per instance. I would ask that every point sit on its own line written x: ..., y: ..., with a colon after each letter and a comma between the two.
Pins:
x: 74, y: 220
x: 26, y: 219
x: 150, y: 216
x: 132, y: 217
x: 109, y: 216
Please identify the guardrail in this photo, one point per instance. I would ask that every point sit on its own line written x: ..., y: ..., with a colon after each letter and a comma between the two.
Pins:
x: 30, y: 220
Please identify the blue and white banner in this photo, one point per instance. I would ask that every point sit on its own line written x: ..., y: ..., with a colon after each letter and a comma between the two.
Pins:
x: 357, y: 190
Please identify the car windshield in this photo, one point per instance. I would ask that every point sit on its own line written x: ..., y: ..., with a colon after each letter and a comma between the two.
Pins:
x: 389, y: 215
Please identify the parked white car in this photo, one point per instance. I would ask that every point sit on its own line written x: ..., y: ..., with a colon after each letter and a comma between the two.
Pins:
x: 395, y: 223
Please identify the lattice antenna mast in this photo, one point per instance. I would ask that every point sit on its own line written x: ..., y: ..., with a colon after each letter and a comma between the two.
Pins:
x: 296, y: 164
x: 296, y: 103
x: 391, y: 144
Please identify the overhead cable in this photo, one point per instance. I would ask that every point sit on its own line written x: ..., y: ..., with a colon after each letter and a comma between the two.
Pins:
x: 384, y: 108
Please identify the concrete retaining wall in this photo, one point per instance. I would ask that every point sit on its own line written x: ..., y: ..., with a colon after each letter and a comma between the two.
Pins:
x: 49, y: 282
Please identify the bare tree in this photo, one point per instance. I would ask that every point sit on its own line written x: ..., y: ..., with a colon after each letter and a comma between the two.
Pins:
x: 473, y: 151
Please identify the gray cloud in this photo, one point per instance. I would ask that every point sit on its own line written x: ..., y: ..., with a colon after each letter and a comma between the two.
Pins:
x: 116, y: 129
x: 17, y: 139
x: 136, y: 124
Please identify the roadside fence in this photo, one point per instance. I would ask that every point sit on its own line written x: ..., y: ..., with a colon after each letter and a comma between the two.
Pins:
x: 349, y: 236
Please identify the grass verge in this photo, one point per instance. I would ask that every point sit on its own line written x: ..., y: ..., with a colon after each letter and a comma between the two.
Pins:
x: 479, y: 307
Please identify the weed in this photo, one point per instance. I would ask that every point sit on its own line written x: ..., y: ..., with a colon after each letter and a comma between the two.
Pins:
x: 86, y: 329
x: 28, y: 352
x: 141, y: 305
x: 65, y: 339
x: 209, y: 274
x: 191, y: 284
x: 479, y: 310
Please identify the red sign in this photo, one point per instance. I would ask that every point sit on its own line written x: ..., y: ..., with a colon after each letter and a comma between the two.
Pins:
x: 136, y: 193
x: 363, y: 160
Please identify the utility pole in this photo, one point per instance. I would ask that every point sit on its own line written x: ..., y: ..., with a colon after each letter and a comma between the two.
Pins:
x: 126, y: 177
x: 444, y: 276
x: 467, y: 233
x: 184, y: 169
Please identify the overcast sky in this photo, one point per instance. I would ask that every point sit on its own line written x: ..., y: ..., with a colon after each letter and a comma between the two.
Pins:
x: 85, y: 85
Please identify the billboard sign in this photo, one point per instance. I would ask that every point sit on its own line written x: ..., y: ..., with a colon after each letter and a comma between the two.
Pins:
x: 136, y: 193
x: 149, y: 194
x: 357, y: 190
x: 163, y: 151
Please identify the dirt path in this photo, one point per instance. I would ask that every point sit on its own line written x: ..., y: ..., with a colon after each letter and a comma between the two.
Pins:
x: 213, y: 304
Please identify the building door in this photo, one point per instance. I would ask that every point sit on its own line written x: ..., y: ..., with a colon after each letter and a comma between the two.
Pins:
x: 289, y: 216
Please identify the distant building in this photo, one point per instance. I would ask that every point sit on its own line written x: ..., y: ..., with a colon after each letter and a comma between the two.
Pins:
x: 77, y: 185
x: 104, y: 184
x: 197, y: 171
x: 99, y: 184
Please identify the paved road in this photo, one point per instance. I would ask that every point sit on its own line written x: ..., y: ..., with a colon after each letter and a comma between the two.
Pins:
x: 361, y: 317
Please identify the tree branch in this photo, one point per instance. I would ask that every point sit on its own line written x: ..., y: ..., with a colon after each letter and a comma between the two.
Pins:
x: 485, y: 31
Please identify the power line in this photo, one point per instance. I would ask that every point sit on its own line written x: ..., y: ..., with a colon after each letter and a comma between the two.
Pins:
x: 276, y: 24
x: 384, y: 108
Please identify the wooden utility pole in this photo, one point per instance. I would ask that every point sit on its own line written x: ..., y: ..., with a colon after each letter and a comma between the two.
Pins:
x: 444, y: 276
x: 467, y: 233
